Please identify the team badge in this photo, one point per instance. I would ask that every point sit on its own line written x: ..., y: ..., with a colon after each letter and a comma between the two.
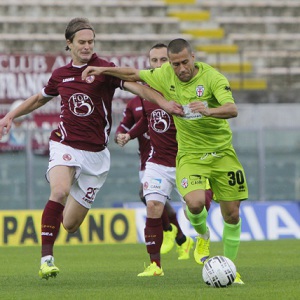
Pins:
x: 90, y: 79
x: 67, y: 157
x: 200, y: 90
x: 184, y: 183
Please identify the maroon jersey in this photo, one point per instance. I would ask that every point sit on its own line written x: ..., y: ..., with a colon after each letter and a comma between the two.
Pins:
x: 162, y: 133
x: 132, y: 114
x: 85, y: 119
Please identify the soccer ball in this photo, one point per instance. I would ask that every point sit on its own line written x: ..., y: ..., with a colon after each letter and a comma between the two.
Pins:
x: 219, y: 271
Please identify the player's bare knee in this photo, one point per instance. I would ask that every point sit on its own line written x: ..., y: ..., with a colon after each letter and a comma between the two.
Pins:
x: 232, y: 218
x: 154, y: 208
x: 70, y: 228
x: 59, y: 195
x: 195, y: 207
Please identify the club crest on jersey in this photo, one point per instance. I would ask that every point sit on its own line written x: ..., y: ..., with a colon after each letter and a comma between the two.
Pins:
x: 200, y: 90
x: 90, y: 79
x: 184, y: 183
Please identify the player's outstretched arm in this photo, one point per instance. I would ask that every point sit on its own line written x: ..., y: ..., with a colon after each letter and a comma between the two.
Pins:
x: 124, y: 73
x: 29, y: 105
x: 151, y: 95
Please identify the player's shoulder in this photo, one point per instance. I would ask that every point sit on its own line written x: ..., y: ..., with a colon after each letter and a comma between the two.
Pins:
x: 100, y: 62
x: 62, y: 71
x: 164, y: 68
x: 136, y: 101
x: 206, y: 68
x: 150, y: 105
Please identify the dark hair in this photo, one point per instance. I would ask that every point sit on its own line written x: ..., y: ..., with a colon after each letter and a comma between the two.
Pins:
x: 75, y: 25
x: 158, y: 46
x: 178, y: 45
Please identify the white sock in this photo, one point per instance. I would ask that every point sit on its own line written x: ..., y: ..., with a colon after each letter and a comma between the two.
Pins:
x: 47, y: 257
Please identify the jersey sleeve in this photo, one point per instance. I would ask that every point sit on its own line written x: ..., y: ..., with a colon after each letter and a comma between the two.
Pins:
x: 127, y: 122
x: 50, y: 90
x: 153, y: 78
x: 140, y: 128
x: 221, y: 89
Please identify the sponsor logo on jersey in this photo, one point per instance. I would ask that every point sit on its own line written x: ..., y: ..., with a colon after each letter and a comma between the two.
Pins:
x: 81, y: 105
x: 172, y: 88
x: 68, y: 79
x: 160, y: 121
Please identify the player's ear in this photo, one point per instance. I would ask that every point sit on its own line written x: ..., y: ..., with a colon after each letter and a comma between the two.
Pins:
x: 68, y: 42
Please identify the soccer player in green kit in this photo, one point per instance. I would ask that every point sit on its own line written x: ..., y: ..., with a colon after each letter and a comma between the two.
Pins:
x: 204, y: 138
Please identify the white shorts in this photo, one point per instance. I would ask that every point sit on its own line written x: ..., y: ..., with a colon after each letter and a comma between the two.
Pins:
x: 141, y: 175
x: 91, y: 170
x: 159, y: 180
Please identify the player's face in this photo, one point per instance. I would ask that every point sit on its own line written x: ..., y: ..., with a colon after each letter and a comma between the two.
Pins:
x: 157, y: 57
x: 82, y: 46
x: 183, y: 65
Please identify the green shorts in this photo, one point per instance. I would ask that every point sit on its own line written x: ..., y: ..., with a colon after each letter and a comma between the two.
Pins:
x: 223, y: 170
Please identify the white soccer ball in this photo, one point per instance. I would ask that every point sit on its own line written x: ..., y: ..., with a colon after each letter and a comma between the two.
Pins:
x: 219, y: 271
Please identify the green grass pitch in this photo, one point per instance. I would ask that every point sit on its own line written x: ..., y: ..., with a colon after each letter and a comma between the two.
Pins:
x: 270, y: 270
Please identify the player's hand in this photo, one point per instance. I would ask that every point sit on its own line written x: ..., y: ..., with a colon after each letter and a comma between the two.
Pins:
x: 173, y: 108
x: 199, y: 107
x: 90, y: 70
x: 5, y: 125
x: 122, y: 139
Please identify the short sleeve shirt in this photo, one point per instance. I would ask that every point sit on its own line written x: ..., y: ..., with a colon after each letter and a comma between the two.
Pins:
x: 195, y: 133
x: 85, y: 119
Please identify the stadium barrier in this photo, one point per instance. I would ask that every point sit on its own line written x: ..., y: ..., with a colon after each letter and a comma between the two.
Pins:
x: 260, y: 220
x: 101, y: 226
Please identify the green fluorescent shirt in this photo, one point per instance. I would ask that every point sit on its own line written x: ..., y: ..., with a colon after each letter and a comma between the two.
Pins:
x: 195, y: 133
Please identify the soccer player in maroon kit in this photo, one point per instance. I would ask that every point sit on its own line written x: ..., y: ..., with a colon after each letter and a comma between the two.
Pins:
x: 132, y: 114
x: 79, y: 159
x: 159, y: 178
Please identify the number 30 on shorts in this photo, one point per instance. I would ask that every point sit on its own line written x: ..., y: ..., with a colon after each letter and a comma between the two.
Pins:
x: 236, y: 177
